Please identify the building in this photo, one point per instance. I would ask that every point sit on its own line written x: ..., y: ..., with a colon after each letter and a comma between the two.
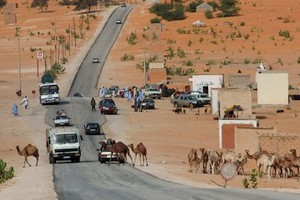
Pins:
x: 239, y: 81
x: 236, y: 100
x: 272, y: 87
x: 227, y: 128
x: 204, y: 7
x: 205, y: 83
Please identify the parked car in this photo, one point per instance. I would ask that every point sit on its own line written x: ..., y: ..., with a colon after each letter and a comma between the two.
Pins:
x: 61, y: 120
x: 92, y: 128
x: 119, y: 21
x: 108, y: 106
x: 203, y: 97
x: 123, y: 5
x: 186, y: 100
x: 152, y: 93
x: 148, y: 103
x: 96, y: 60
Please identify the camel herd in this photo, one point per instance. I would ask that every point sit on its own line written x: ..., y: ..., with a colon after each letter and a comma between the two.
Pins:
x: 273, y: 164
x: 117, y: 148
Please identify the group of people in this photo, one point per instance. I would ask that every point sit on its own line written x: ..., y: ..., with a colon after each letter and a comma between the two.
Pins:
x: 24, y: 102
x: 136, y: 96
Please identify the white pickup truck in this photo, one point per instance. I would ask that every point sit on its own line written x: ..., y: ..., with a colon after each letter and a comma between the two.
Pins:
x: 63, y: 143
x: 61, y: 119
x: 152, y: 93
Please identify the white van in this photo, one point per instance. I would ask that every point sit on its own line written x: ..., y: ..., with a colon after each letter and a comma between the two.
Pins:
x: 204, y: 98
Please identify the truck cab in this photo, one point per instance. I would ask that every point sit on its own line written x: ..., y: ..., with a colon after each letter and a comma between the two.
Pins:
x: 63, y: 143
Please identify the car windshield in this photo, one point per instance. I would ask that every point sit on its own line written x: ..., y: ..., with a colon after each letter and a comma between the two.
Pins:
x: 148, y: 100
x: 65, y: 138
x: 62, y: 117
x: 92, y: 125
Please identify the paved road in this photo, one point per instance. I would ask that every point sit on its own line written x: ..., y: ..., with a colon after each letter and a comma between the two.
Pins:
x: 91, y: 180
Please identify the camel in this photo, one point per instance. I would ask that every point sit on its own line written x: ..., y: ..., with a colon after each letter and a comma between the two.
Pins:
x: 194, y: 160
x: 284, y: 165
x: 240, y: 162
x: 257, y: 155
x: 204, y: 158
x: 214, y: 159
x: 29, y: 150
x: 267, y: 161
x: 117, y: 148
x: 230, y: 156
x: 142, y: 151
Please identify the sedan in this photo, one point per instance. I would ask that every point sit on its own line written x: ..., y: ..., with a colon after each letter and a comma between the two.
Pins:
x: 119, y: 21
x: 148, y: 103
x: 108, y: 108
x: 92, y: 128
x: 96, y: 60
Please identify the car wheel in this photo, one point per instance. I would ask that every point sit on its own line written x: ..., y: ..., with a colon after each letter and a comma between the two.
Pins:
x: 101, y: 160
x: 77, y: 159
x: 51, y: 159
x: 176, y: 105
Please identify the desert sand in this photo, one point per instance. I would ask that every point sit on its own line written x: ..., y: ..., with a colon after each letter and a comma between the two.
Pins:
x: 167, y: 136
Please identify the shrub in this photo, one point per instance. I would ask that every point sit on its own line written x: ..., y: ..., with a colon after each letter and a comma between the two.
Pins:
x: 187, y: 63
x: 181, y: 53
x: 168, y: 11
x: 209, y: 14
x: 246, y: 61
x: 285, y: 34
x: 155, y: 20
x: 210, y: 62
x: 5, y: 174
x: 132, y: 39
x: 127, y: 57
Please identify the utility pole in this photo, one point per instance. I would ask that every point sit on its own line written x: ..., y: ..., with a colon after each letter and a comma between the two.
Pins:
x: 145, y: 68
x: 19, y: 61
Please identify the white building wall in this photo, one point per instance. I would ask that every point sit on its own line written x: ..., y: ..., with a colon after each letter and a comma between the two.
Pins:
x: 215, y: 102
x: 210, y: 81
x: 272, y: 88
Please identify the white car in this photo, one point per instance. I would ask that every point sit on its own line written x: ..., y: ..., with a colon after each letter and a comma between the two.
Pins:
x: 119, y: 21
x: 96, y: 60
x: 61, y: 120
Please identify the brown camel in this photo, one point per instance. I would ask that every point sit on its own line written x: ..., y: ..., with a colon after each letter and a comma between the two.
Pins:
x: 117, y: 148
x: 204, y: 159
x: 142, y: 151
x: 194, y: 160
x: 29, y: 150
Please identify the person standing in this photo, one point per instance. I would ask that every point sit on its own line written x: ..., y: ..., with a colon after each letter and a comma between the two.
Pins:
x: 93, y: 104
x: 25, y: 102
x: 15, y: 110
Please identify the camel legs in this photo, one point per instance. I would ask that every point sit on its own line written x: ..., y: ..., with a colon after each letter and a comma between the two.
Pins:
x: 146, y: 160
x: 37, y: 161
x: 130, y: 158
x: 134, y: 158
x: 26, y: 161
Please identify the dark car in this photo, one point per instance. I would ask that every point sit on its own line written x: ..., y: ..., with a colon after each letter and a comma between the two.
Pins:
x: 148, y: 103
x: 92, y: 129
x: 77, y: 95
x: 107, y: 106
